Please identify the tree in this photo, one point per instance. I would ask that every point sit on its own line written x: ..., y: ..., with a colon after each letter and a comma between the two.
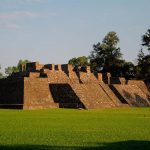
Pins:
x: 22, y: 62
x: 14, y: 69
x: 146, y: 40
x: 128, y: 70
x: 106, y: 55
x: 10, y: 70
x: 79, y: 61
x: 73, y: 61
x: 143, y: 67
x: 140, y: 56
x: 1, y: 75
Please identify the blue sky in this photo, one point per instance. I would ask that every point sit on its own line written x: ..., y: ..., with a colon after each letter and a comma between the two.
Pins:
x: 53, y: 31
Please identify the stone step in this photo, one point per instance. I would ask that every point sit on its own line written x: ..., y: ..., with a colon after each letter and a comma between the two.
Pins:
x: 133, y: 95
x: 92, y: 96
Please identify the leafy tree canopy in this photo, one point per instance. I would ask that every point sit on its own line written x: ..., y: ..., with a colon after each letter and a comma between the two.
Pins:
x: 146, y: 40
x: 1, y: 75
x: 106, y: 55
x: 79, y: 61
x: 22, y: 62
x: 14, y: 69
x: 143, y: 67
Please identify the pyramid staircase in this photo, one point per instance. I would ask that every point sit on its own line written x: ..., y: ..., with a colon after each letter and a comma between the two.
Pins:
x: 131, y: 94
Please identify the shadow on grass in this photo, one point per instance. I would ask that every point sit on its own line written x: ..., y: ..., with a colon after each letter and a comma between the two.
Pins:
x: 124, y: 145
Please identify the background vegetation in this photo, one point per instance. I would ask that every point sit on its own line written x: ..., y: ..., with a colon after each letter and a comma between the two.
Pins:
x: 105, y: 57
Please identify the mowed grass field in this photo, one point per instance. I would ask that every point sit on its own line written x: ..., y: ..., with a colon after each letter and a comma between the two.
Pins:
x: 104, y: 129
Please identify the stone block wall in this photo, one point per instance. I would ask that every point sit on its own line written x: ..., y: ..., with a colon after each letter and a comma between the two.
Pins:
x: 54, y: 86
x: 11, y: 93
x: 141, y: 84
x: 37, y: 94
x: 87, y: 77
x: 92, y: 96
x: 148, y: 85
x: 57, y: 77
x: 110, y: 94
x: 34, y: 75
x: 133, y: 95
x: 65, y: 96
x: 117, y: 80
x: 49, y: 66
x: 100, y: 77
x: 74, y: 77
x: 33, y: 67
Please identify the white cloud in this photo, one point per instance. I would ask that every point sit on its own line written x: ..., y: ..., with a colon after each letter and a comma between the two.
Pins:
x: 34, y: 0
x: 9, y: 19
x: 12, y: 26
x: 12, y: 19
x: 31, y: 1
x: 9, y: 25
x: 17, y: 14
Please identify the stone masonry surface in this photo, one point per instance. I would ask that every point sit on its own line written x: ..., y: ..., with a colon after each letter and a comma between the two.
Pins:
x: 40, y: 86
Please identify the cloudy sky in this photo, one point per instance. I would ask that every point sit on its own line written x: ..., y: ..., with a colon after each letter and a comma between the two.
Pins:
x: 53, y: 31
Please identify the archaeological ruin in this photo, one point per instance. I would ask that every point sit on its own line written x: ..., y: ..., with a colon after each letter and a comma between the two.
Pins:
x: 64, y: 86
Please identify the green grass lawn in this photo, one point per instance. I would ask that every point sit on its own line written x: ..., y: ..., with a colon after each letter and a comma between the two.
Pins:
x: 124, y: 128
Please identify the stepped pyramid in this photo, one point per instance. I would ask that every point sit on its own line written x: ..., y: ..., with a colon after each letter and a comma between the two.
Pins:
x: 40, y: 86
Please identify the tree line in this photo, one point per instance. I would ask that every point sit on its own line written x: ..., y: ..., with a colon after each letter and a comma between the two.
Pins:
x: 13, y: 69
x: 105, y: 57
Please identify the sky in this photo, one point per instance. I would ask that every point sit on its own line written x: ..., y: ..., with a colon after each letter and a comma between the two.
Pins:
x: 54, y: 31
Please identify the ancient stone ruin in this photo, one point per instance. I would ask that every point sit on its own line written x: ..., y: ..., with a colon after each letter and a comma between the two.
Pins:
x: 63, y: 86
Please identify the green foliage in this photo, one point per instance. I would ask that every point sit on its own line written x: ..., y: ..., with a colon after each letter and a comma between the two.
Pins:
x: 140, y: 56
x: 73, y: 61
x: 123, y: 69
x: 143, y: 68
x: 106, y: 55
x: 22, y: 62
x: 79, y: 61
x: 1, y: 75
x: 10, y: 70
x: 146, y: 39
x: 18, y: 68
x: 111, y: 40
x: 74, y: 129
x: 128, y: 70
